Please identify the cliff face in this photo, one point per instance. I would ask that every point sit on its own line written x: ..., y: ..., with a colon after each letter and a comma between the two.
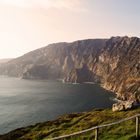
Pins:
x: 114, y: 63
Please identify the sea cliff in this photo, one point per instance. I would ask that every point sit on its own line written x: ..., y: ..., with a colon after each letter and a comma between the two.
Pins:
x: 114, y: 63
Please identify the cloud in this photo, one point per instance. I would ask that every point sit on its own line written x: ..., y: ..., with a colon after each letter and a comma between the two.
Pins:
x: 73, y: 5
x: 17, y: 3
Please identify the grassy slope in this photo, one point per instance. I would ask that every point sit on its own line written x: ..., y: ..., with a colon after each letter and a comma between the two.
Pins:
x: 75, y: 122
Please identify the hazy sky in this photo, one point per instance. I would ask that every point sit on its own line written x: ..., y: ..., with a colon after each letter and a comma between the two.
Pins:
x: 29, y: 24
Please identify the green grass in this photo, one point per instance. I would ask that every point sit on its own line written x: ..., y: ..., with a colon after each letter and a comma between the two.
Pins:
x: 71, y: 123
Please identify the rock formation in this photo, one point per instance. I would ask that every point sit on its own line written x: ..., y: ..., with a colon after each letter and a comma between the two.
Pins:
x: 114, y: 63
x: 123, y: 105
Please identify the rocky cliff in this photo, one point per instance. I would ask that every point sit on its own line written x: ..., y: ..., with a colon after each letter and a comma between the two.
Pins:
x: 114, y: 63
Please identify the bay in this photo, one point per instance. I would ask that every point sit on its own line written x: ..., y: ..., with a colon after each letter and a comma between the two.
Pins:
x: 27, y: 102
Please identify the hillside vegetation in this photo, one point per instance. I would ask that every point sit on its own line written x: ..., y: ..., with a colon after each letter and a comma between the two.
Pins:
x: 71, y: 123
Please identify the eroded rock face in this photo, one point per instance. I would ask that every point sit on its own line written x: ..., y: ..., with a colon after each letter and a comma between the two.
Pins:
x: 114, y: 63
x: 123, y: 105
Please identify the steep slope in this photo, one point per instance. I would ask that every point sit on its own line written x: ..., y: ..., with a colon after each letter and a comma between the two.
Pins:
x: 114, y: 63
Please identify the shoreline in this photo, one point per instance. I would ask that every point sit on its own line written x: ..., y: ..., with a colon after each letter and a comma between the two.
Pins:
x: 70, y: 123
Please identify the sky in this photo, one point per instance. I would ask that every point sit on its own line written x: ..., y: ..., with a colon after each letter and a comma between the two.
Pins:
x: 26, y: 25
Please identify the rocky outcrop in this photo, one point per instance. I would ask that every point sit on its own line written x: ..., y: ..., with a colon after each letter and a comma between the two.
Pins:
x: 114, y: 63
x: 123, y: 105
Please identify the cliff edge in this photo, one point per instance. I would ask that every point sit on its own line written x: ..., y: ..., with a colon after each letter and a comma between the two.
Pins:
x: 114, y: 63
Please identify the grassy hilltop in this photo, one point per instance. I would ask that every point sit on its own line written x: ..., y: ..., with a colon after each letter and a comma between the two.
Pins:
x: 79, y: 121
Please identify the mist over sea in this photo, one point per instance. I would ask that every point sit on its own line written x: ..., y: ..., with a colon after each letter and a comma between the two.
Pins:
x: 27, y: 102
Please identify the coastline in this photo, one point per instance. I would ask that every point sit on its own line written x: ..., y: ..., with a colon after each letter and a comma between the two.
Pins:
x: 75, y: 122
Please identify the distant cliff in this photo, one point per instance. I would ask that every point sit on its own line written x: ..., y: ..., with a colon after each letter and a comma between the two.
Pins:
x: 5, y: 60
x: 114, y: 63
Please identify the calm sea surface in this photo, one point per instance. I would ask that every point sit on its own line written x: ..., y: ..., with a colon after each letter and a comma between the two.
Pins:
x: 26, y: 102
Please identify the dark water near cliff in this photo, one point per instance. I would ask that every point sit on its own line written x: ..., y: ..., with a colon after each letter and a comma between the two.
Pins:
x: 25, y: 102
